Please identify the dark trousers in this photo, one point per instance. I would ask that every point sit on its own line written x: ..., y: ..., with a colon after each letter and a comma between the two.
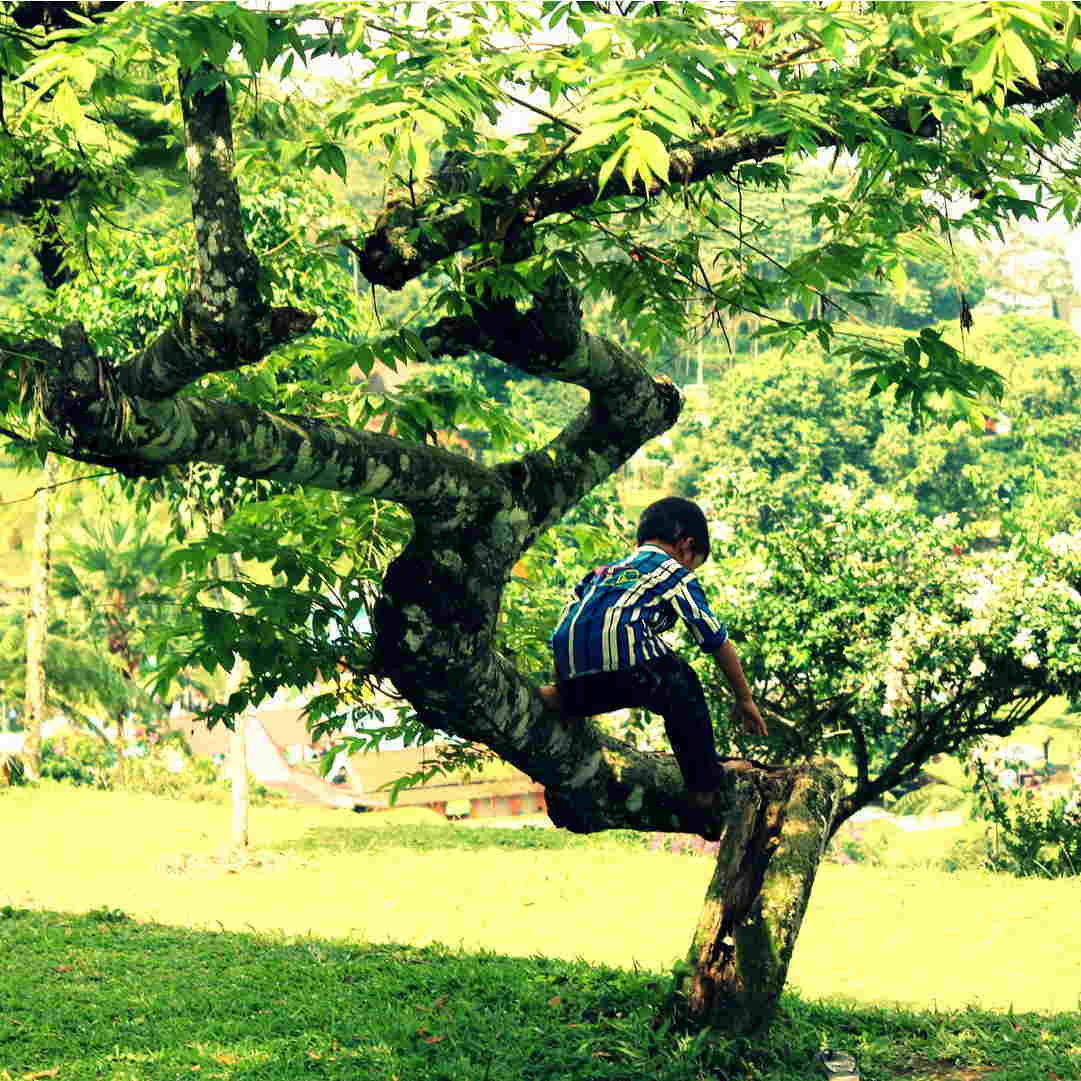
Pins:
x: 666, y: 685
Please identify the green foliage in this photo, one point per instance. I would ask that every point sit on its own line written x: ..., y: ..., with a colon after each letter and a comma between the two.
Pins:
x: 310, y: 622
x: 884, y: 640
x: 1031, y: 836
x: 156, y: 763
x: 18, y: 272
x: 78, y: 758
x: 813, y: 426
x: 462, y: 839
x: 424, y: 116
x: 1020, y: 342
x: 83, y: 680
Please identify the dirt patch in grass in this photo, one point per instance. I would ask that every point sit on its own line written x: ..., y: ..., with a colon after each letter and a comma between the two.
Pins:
x: 944, y: 1070
x: 231, y: 862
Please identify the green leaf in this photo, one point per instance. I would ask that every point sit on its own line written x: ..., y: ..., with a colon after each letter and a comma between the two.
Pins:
x: 598, y: 41
x: 609, y: 166
x: 597, y: 133
x: 981, y: 72
x: 1020, y: 57
x: 331, y: 158
x: 633, y: 164
x: 419, y: 157
x: 652, y: 151
x: 971, y: 28
x: 66, y: 106
x: 251, y: 30
x: 416, y: 345
x: 834, y: 39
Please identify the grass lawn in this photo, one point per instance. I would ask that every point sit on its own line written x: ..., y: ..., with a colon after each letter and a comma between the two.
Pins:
x: 363, y: 947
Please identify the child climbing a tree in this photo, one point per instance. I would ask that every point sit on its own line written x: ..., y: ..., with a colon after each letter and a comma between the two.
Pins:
x: 609, y: 653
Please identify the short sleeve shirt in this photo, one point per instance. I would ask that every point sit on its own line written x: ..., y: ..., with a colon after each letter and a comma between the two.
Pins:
x: 618, y: 613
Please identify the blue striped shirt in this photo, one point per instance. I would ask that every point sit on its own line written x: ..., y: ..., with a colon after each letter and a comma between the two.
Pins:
x: 618, y: 613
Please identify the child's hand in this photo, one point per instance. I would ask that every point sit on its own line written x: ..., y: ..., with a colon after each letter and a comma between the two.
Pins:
x: 746, y: 711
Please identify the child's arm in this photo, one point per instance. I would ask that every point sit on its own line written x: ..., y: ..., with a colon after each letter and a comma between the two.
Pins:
x: 725, y: 655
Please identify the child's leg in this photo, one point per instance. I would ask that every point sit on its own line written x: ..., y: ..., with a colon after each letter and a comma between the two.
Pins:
x: 550, y: 694
x: 676, y: 694
x: 586, y: 696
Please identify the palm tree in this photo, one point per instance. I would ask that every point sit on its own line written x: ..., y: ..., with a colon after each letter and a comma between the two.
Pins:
x: 108, y: 580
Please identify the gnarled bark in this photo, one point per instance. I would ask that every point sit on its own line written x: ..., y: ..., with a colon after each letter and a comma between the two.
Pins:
x: 772, y: 840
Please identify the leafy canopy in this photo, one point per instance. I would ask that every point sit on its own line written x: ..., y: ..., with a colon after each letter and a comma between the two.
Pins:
x: 625, y: 141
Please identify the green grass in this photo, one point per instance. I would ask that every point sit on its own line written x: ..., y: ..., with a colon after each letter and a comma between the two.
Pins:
x: 380, y: 946
x: 98, y: 996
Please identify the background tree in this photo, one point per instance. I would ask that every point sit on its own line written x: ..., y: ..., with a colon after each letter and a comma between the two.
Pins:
x: 108, y: 577
x: 668, y: 110
x: 888, y: 642
x: 37, y: 623
x: 815, y: 426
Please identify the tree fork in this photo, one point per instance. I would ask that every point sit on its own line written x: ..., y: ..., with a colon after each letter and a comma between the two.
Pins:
x: 772, y: 841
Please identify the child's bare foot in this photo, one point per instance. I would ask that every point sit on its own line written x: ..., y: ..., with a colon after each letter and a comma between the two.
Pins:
x: 550, y: 696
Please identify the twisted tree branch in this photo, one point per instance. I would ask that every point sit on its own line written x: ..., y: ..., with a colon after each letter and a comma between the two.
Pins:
x: 388, y: 258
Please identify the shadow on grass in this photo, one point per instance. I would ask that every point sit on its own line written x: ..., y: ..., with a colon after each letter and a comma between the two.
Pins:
x: 98, y: 995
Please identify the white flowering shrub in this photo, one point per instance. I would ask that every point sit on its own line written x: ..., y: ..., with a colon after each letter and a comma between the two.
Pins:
x: 1036, y: 835
x: 886, y: 640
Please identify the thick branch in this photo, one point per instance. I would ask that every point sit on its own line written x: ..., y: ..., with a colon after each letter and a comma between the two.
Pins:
x: 225, y: 322
x: 227, y: 285
x: 627, y: 406
x: 192, y: 348
x: 65, y: 15
x: 93, y: 418
x: 391, y: 258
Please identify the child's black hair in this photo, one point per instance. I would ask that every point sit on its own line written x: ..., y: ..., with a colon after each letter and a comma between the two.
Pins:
x: 671, y: 520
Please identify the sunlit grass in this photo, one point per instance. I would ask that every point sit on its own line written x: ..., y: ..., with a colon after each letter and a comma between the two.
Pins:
x: 874, y: 935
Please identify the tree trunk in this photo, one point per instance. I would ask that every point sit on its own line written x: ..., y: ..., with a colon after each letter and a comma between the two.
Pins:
x: 238, y: 769
x: 771, y: 843
x: 37, y: 622
x: 238, y: 749
x: 120, y: 774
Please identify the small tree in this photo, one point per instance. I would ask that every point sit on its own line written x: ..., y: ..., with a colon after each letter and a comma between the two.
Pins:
x: 885, y: 641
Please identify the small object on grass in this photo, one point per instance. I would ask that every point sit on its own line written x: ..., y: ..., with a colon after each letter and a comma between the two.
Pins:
x: 837, y: 1065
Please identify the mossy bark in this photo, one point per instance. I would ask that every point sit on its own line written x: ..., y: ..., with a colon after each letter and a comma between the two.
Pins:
x: 772, y: 840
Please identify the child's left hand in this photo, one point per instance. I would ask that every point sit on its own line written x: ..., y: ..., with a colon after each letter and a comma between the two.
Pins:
x: 746, y: 711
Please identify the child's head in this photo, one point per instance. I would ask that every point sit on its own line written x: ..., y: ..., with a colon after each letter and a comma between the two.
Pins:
x: 673, y: 520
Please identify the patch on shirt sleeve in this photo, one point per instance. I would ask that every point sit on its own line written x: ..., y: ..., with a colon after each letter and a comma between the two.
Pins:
x: 621, y: 577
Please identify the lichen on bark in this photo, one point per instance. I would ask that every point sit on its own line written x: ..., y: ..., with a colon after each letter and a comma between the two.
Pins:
x: 771, y: 846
